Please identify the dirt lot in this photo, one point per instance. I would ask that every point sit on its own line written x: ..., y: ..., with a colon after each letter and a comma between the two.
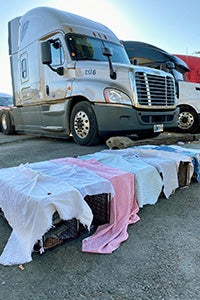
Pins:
x: 160, y: 259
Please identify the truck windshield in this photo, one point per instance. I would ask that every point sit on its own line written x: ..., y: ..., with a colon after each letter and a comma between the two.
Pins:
x: 89, y: 48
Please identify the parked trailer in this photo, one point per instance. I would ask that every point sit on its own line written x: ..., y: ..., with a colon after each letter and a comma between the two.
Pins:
x: 71, y: 75
x: 188, y: 93
x: 193, y: 62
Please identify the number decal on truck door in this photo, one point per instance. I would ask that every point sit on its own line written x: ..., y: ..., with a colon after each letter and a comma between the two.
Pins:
x: 90, y: 72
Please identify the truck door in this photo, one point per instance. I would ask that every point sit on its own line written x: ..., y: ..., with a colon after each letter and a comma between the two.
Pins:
x: 29, y: 91
x: 55, y: 85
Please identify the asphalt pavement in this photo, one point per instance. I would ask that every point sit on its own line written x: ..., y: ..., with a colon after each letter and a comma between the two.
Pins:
x: 159, y: 260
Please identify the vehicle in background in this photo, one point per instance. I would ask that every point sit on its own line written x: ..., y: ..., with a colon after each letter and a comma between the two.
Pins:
x: 193, y: 63
x: 6, y: 101
x: 188, y: 93
x: 71, y: 75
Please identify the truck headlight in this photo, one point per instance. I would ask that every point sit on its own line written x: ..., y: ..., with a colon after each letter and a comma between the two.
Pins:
x: 116, y: 96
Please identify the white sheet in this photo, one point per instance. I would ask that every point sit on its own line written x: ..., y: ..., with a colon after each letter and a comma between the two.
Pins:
x: 148, y: 182
x: 166, y: 167
x: 86, y: 181
x: 170, y: 152
x: 28, y: 200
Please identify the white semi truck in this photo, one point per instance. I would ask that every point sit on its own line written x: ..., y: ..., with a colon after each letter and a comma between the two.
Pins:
x: 188, y: 93
x: 72, y: 76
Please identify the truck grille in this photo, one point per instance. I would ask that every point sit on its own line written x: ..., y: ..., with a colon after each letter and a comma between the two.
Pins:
x: 154, y: 90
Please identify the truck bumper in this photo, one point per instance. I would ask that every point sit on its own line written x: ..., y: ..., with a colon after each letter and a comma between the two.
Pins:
x: 115, y: 119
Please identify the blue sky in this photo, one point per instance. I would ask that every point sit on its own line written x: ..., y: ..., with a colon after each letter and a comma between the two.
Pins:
x: 173, y: 25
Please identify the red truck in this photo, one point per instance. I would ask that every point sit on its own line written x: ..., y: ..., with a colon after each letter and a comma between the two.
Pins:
x: 193, y: 63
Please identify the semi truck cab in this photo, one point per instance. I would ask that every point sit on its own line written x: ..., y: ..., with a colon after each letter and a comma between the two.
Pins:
x: 72, y: 76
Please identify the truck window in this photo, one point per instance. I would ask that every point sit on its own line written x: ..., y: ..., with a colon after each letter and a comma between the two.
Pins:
x: 57, y: 53
x: 24, y: 67
x: 89, y: 48
x: 81, y: 48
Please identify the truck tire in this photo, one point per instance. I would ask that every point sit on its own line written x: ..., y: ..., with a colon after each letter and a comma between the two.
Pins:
x: 6, y: 124
x: 187, y: 120
x: 83, y: 124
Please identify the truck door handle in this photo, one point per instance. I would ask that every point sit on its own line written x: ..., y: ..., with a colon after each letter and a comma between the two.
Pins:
x: 47, y: 90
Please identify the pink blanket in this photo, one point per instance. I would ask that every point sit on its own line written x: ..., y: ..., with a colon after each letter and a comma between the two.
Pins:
x: 124, y: 207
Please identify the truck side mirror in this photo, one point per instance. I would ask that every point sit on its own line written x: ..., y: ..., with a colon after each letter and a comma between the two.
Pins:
x: 46, y: 53
x: 59, y: 71
x: 135, y: 61
x: 47, y: 58
x: 107, y: 51
x: 170, y: 65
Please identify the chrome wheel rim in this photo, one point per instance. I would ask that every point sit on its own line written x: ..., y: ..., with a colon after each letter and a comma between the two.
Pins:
x: 185, y: 120
x: 81, y: 124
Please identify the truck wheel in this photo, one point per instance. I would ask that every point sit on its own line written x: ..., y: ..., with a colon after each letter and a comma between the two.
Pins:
x: 187, y: 120
x: 6, y: 125
x: 83, y: 124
